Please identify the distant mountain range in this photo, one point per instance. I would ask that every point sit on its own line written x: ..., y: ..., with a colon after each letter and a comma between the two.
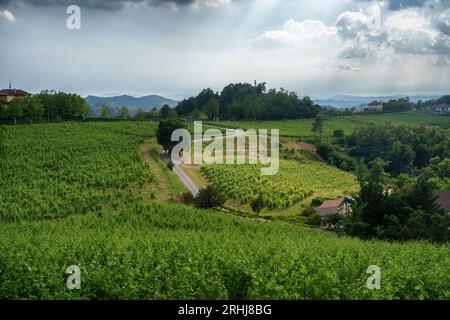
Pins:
x: 132, y: 103
x: 346, y: 101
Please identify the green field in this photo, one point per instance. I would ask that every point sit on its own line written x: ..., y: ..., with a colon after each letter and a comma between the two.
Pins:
x: 302, y: 128
x: 294, y: 182
x: 83, y: 194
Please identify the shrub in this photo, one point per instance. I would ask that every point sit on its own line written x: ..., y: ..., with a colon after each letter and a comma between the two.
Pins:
x: 187, y: 198
x: 309, y: 211
x: 314, y: 220
x: 210, y: 197
x: 257, y: 204
x: 339, y: 133
x: 170, y: 165
x: 316, y: 202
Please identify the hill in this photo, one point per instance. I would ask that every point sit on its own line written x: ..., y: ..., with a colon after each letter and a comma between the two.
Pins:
x: 347, y: 101
x: 145, y: 102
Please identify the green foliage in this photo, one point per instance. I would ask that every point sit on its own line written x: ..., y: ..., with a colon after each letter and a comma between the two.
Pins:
x: 314, y: 220
x: 405, y: 148
x: 15, y: 109
x: 317, y: 126
x: 53, y: 171
x: 61, y: 104
x: 338, y: 133
x: 167, y: 112
x: 309, y: 211
x: 105, y: 111
x: 316, y: 202
x: 294, y: 182
x: 210, y: 197
x: 247, y: 101
x: 140, y: 114
x: 165, y: 130
x: 187, y: 198
x: 212, y: 108
x: 335, y: 157
x: 404, y: 214
x: 124, y: 113
x: 257, y: 204
x: 398, y: 105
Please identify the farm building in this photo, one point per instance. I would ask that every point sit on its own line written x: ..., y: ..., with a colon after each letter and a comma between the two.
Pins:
x: 439, y: 109
x: 444, y: 199
x: 7, y: 95
x: 341, y: 205
x: 374, y: 106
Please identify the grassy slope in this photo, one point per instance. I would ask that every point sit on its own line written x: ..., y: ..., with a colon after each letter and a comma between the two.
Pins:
x: 141, y: 249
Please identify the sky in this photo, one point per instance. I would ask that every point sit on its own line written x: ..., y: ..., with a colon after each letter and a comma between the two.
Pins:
x: 319, y: 48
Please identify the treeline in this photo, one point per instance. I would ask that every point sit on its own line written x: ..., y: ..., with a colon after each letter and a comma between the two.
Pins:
x: 429, y: 103
x: 407, y: 150
x: 396, y: 211
x: 47, y: 104
x: 399, y: 168
x: 244, y: 101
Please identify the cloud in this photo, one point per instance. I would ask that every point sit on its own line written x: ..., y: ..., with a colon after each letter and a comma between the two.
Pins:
x: 353, y: 52
x: 294, y: 33
x: 407, y: 31
x: 442, y: 22
x: 396, y: 5
x: 411, y: 33
x: 116, y: 4
x: 7, y: 15
x: 352, y: 25
x: 345, y: 67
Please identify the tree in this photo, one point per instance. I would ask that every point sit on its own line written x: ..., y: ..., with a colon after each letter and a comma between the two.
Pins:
x: 210, y: 197
x: 165, y: 111
x: 124, y: 113
x: 164, y: 132
x: 211, y: 108
x: 198, y: 115
x: 34, y: 109
x: 140, y: 114
x: 15, y: 109
x: 105, y: 111
x: 317, y: 126
x: 154, y: 114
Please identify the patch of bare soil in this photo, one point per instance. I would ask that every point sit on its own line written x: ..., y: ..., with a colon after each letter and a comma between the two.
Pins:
x: 290, y: 144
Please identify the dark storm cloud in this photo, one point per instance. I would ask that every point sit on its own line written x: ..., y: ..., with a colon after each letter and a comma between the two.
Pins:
x: 101, y: 4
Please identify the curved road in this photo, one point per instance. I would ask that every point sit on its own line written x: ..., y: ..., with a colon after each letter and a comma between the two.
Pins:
x: 188, y: 183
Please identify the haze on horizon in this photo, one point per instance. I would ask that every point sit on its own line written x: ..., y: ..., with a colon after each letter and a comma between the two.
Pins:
x: 176, y: 48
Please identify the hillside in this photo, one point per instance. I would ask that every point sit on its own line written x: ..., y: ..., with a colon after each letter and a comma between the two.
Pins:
x: 145, y: 102
x: 91, y: 199
x: 348, y: 101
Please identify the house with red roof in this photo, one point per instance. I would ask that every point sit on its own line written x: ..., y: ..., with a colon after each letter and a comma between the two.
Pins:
x: 443, y: 199
x: 340, y: 205
x: 8, y: 95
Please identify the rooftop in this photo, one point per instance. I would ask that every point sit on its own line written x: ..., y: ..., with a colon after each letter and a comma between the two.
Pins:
x: 444, y: 199
x: 13, y: 92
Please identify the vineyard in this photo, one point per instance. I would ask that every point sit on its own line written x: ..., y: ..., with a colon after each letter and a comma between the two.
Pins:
x: 302, y: 128
x: 152, y: 251
x: 51, y: 171
x: 295, y: 182
x: 71, y: 195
